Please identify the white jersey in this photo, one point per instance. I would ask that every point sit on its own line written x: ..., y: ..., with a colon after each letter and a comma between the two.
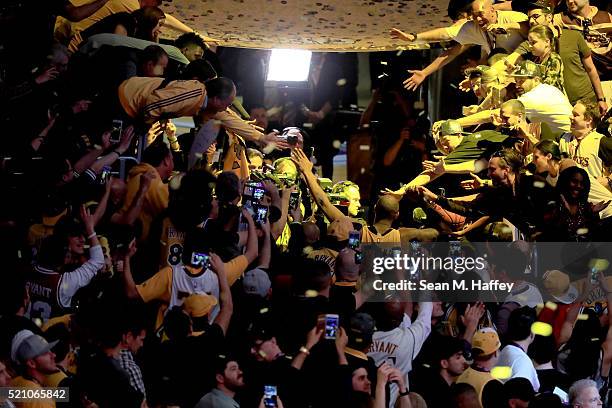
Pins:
x: 184, y: 285
x: 585, y: 153
x: 401, y: 345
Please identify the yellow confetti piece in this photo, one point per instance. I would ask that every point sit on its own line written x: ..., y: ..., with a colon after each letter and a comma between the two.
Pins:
x: 264, y: 310
x: 37, y: 322
x: 541, y: 329
x: 501, y: 373
x: 582, y: 231
x: 311, y: 293
x: 551, y: 305
x: 583, y: 316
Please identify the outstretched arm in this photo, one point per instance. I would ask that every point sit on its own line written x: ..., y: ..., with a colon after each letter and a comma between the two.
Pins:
x: 418, y: 76
x: 305, y: 167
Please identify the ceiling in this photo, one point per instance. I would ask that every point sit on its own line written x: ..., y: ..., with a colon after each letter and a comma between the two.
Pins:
x: 331, y: 25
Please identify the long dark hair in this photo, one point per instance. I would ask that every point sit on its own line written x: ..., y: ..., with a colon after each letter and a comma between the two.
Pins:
x: 584, y: 347
x: 563, y: 184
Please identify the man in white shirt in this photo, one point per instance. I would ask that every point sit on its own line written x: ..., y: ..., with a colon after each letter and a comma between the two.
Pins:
x: 592, y: 151
x: 514, y: 355
x: 482, y: 29
x: 543, y: 103
x: 397, y: 342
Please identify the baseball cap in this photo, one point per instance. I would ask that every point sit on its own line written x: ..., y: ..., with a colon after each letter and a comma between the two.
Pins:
x: 199, y: 304
x: 340, y: 228
x: 487, y: 74
x: 527, y: 69
x: 27, y: 345
x: 361, y: 328
x: 450, y: 127
x: 256, y: 282
x: 559, y: 287
x: 540, y: 4
x: 485, y: 342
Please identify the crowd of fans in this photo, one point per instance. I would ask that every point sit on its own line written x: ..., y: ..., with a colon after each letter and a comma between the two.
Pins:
x: 216, y: 269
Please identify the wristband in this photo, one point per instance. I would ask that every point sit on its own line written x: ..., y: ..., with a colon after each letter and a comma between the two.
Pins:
x: 304, y: 350
x: 602, y: 99
x: 403, y: 394
x: 92, y: 235
x: 414, y: 35
x: 116, y: 151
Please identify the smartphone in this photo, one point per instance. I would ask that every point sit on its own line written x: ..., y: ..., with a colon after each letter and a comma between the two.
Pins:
x: 354, y: 239
x: 331, y: 325
x: 200, y: 259
x: 294, y: 199
x: 260, y: 213
x: 254, y: 190
x: 105, y: 174
x: 594, y: 273
x: 116, y: 131
x: 270, y: 394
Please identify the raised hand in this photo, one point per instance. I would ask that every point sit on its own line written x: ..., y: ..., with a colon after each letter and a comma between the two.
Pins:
x: 412, y: 83
x: 400, y: 35
x: 434, y: 167
x: 301, y: 161
x: 126, y: 139
x: 473, y: 184
x: 88, y: 220
x: 473, y: 314
x: 47, y: 75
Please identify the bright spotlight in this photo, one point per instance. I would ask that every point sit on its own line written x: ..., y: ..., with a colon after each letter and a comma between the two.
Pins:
x: 289, y: 65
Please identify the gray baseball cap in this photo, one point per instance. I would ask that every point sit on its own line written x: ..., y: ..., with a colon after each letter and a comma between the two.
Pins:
x: 27, y: 345
x: 256, y: 282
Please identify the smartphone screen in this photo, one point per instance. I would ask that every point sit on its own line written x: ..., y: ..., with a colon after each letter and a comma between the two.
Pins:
x: 200, y: 259
x: 106, y: 171
x: 270, y: 394
x: 116, y: 131
x: 331, y: 325
x: 260, y: 213
x: 294, y: 199
x: 354, y: 239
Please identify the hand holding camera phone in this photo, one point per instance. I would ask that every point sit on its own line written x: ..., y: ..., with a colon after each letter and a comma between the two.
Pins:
x: 116, y: 131
x: 330, y: 324
x: 105, y: 174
